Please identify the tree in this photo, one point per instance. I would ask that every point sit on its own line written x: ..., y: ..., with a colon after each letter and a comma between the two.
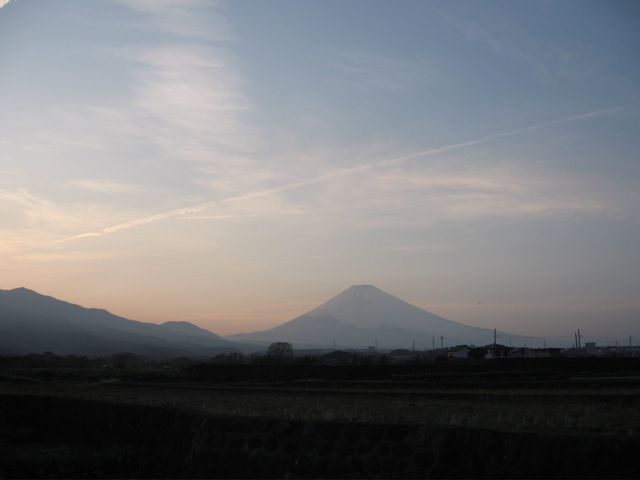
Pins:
x: 124, y: 360
x: 280, y: 350
x: 476, y: 353
x: 339, y: 357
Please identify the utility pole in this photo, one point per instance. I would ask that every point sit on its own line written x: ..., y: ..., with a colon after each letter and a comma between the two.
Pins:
x: 495, y: 335
x: 441, y: 343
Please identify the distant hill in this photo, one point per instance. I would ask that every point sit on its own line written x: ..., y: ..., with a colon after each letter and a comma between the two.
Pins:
x: 363, y: 316
x: 35, y: 323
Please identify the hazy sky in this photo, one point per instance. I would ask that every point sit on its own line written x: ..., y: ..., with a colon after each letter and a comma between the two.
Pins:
x: 236, y: 164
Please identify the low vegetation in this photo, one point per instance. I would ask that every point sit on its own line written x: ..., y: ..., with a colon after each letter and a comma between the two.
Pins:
x: 585, y: 398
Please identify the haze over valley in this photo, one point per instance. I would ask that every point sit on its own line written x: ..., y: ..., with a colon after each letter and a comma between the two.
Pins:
x: 361, y: 317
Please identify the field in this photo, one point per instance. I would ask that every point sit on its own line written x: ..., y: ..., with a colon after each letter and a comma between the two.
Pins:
x: 588, y: 398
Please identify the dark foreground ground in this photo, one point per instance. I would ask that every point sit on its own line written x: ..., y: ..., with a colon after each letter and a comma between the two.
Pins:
x: 566, y: 395
x: 586, y: 401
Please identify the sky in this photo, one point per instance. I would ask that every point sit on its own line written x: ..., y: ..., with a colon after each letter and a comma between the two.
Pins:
x: 236, y: 164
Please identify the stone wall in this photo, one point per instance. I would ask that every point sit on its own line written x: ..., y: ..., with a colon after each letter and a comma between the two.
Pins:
x: 152, y: 442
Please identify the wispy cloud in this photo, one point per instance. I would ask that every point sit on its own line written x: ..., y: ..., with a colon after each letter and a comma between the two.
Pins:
x: 187, y: 18
x: 195, y: 97
x: 189, y: 101
x: 503, y: 42
x: 294, y: 260
x: 31, y: 211
x: 186, y: 106
x: 106, y: 187
x: 472, y: 191
x: 504, y: 190
x: 517, y: 39
x: 189, y: 106
x: 220, y: 217
x: 190, y: 89
x: 375, y: 73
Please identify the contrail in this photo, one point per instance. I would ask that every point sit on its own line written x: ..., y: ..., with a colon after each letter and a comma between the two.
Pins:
x: 495, y: 136
x: 141, y: 221
x: 328, y: 176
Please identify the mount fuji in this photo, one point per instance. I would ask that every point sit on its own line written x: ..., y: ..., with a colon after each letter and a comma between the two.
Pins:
x: 364, y: 315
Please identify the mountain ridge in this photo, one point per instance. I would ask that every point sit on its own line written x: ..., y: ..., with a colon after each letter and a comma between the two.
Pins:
x: 31, y: 322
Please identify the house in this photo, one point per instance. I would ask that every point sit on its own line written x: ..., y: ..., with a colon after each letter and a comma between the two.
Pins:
x: 402, y: 355
x: 495, y: 350
x: 459, y: 351
x: 546, y: 352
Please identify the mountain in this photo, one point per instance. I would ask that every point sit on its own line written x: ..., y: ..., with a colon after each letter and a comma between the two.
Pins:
x: 35, y: 323
x: 364, y: 315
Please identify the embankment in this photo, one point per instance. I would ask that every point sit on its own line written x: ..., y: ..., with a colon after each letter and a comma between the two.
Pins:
x: 49, y: 437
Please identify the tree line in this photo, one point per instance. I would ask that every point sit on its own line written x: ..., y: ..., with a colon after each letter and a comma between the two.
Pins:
x: 275, y: 354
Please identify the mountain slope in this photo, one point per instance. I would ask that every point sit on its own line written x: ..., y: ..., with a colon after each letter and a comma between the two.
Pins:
x: 30, y: 322
x: 364, y: 315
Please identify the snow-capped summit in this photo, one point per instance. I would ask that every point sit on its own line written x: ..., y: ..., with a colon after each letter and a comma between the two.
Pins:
x: 367, y: 306
x: 363, y: 315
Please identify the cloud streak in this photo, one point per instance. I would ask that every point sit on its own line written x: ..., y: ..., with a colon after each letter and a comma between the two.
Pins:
x: 182, y: 17
x: 334, y: 174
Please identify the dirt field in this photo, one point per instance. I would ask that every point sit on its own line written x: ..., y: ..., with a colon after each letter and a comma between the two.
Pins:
x: 587, y: 402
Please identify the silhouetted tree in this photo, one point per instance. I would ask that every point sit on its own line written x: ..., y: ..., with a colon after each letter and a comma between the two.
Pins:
x: 234, y: 357
x: 476, y: 353
x: 339, y: 357
x: 124, y: 360
x: 181, y: 361
x: 280, y: 350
